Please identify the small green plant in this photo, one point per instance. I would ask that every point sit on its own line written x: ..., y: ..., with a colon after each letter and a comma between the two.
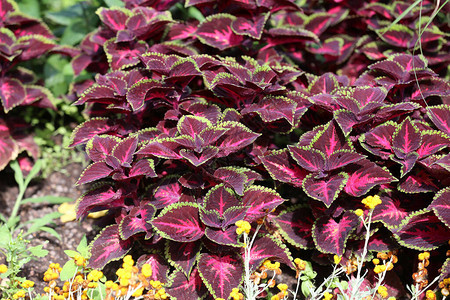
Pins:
x: 14, y: 244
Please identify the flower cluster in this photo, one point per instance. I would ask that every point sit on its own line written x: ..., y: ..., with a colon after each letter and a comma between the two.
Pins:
x: 282, y: 293
x: 444, y: 285
x: 3, y: 269
x: 371, y: 201
x: 52, y: 272
x: 236, y: 295
x: 382, y: 290
x: 300, y: 266
x: 389, y: 259
x: 421, y: 276
x: 243, y: 226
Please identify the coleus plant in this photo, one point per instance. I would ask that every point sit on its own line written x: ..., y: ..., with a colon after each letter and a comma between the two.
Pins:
x: 184, y: 144
x: 22, y: 40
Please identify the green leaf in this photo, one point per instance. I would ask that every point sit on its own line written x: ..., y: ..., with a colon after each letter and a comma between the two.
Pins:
x: 83, y: 247
x: 71, y: 253
x: 30, y: 7
x: 52, y: 231
x: 48, y: 199
x: 6, y: 236
x: 68, y: 270
x: 73, y: 34
x: 38, y: 251
x: 45, y: 220
x: 18, y: 176
x: 34, y: 171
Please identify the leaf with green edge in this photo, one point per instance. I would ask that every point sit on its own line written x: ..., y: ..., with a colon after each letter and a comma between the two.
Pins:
x: 295, y: 226
x: 216, y: 31
x: 94, y: 171
x: 192, y: 125
x: 418, y: 181
x: 268, y: 247
x: 308, y: 158
x: 179, y: 222
x: 422, y: 231
x: 232, y: 176
x: 325, y: 189
x: 168, y: 191
x: 260, y: 201
x: 227, y: 236
x: 220, y: 273
x: 137, y: 221
x: 364, y: 175
x: 433, y: 141
x: 160, y: 266
x: 271, y: 109
x: 237, y: 137
x: 219, y: 199
x: 406, y: 138
x: 330, y: 236
x: 441, y: 205
x: 439, y: 116
x: 389, y: 212
x: 183, y: 287
x: 87, y: 130
x: 282, y: 168
x: 107, y: 246
x: 196, y: 158
x: 183, y: 255
x: 398, y: 35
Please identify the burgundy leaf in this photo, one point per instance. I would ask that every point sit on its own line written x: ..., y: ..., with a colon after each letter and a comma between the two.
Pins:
x: 99, y: 147
x: 124, y: 151
x: 389, y: 212
x: 422, y: 231
x: 94, y: 171
x: 331, y: 236
x: 179, y: 222
x: 124, y: 55
x: 137, y: 221
x: 268, y: 247
x: 160, y: 267
x: 271, y: 109
x: 406, y: 138
x: 219, y: 199
x: 85, y: 131
x: 417, y: 182
x: 342, y: 158
x: 324, y: 84
x: 183, y: 255
x: 113, y: 18
x: 398, y: 35
x: 12, y: 93
x: 163, y: 148
x: 295, y: 225
x: 168, y: 191
x: 252, y: 27
x: 192, y: 125
x: 237, y: 137
x: 183, y: 288
x: 330, y: 140
x: 310, y: 159
x: 216, y: 31
x: 198, y: 159
x: 143, y: 167
x: 233, y: 177
x: 221, y: 236
x: 364, y: 175
x: 282, y: 169
x: 441, y: 205
x: 325, y: 189
x: 108, y: 246
x: 98, y: 198
x: 432, y: 142
x: 378, y: 141
x: 221, y: 273
x: 440, y: 116
x: 261, y: 201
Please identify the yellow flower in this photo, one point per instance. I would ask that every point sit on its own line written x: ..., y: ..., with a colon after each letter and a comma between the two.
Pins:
x: 301, y: 264
x: 19, y: 294
x: 94, y: 275
x: 375, y: 261
x: 379, y: 269
x: 3, y: 268
x: 27, y: 284
x: 138, y: 292
x: 359, y: 212
x: 392, y: 298
x: 146, y: 270
x: 430, y: 295
x: 327, y: 296
x: 337, y: 259
x: 243, y: 226
x: 382, y: 290
x: 275, y: 297
x: 236, y: 295
x: 282, y: 287
x: 371, y: 201
x: 424, y: 255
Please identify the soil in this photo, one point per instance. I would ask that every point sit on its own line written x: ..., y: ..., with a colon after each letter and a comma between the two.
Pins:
x: 57, y: 184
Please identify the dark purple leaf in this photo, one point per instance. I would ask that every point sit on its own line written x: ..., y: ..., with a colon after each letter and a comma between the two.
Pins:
x: 295, y: 225
x: 325, y: 189
x: 282, y: 169
x: 108, y: 246
x: 215, y: 31
x: 183, y: 255
x: 261, y: 201
x: 191, y: 288
x: 221, y: 273
x: 219, y: 199
x: 94, y: 171
x: 441, y: 205
x: 179, y: 222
